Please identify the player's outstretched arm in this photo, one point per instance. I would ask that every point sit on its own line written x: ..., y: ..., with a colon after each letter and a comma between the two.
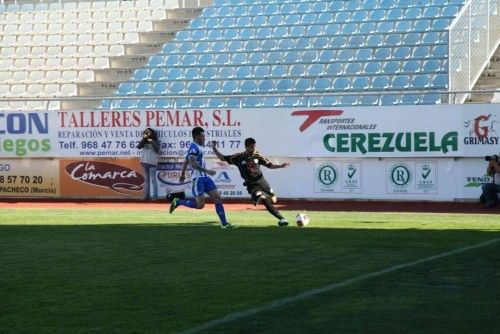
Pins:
x: 217, y: 152
x: 283, y: 165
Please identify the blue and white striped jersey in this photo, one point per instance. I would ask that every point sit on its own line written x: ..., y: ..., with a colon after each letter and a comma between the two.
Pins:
x: 197, y: 151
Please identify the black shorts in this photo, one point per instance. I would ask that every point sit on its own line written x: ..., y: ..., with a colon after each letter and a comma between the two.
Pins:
x: 260, y: 185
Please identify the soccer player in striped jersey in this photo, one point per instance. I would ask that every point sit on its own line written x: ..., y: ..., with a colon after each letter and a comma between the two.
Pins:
x: 248, y: 163
x: 202, y: 182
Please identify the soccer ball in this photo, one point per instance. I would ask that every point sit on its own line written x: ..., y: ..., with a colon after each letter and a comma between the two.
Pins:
x: 302, y: 220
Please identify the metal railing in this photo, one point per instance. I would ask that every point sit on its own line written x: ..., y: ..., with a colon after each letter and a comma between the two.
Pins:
x: 237, y: 100
x: 473, y: 38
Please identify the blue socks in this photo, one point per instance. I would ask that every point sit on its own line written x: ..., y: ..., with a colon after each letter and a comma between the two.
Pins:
x: 219, y: 208
x: 186, y: 202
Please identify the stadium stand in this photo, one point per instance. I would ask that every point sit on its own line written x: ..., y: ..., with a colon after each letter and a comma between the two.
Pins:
x: 297, y: 47
x: 276, y: 53
x: 65, y: 49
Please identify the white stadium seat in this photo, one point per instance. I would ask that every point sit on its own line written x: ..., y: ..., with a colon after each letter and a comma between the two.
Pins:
x: 35, y: 90
x: 53, y: 76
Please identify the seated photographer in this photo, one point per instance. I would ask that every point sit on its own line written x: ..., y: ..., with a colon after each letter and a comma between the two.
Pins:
x: 490, y: 190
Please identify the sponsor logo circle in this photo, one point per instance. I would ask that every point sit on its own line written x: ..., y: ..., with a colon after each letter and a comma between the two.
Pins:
x: 327, y: 175
x: 400, y: 175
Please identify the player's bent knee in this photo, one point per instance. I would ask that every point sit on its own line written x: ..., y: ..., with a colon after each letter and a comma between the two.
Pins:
x: 200, y: 205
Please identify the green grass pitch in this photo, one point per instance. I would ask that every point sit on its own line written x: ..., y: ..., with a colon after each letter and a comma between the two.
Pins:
x: 111, y: 271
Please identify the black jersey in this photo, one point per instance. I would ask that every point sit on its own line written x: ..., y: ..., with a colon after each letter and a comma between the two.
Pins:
x: 248, y: 165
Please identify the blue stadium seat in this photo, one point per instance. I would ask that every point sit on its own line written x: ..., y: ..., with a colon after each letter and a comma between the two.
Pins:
x: 402, y: 26
x: 368, y: 100
x: 279, y: 71
x: 145, y: 104
x: 298, y: 70
x: 213, y: 87
x: 141, y: 74
x: 341, y: 84
x: 192, y: 73
x: 266, y: 86
x: 327, y: 101
x: 403, y: 52
x: 169, y: 61
x: 194, y: 87
x: 400, y: 82
x: 450, y: 11
x: 360, y: 83
x: 174, y: 74
x: 230, y: 87
x: 126, y: 88
x: 353, y: 69
x: 422, y: 25
x: 248, y: 86
x: 160, y: 88
x: 322, y: 85
x: 127, y: 104
x: 227, y: 72
x: 334, y: 69
x: 186, y: 47
x: 188, y: 60
x: 420, y: 81
x: 411, y: 99
x: 439, y: 81
x: 215, y: 102
x: 303, y: 85
x: 251, y: 102
x: 348, y: 100
x: 292, y: 101
x: 284, y: 85
x: 431, y: 99
x: 316, y: 70
x: 372, y: 68
x: 182, y: 103
x: 157, y: 74
x: 239, y: 59
x: 261, y: 71
x: 380, y: 83
x: 374, y: 41
x: 411, y: 67
x: 431, y: 66
x: 441, y: 24
x: 157, y: 61
x: 327, y: 55
x: 387, y: 100
x: 440, y: 51
x: 178, y: 88
x: 268, y: 45
x: 164, y: 103
x: 143, y: 88
x: 367, y: 28
x: 393, y: 39
x: 382, y: 53
x: 197, y: 103
x: 356, y: 41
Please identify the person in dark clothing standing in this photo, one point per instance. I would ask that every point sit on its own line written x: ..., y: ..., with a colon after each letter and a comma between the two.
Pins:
x: 150, y: 147
x: 248, y: 163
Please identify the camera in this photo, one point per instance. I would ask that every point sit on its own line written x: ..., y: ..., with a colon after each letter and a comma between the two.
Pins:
x: 493, y: 157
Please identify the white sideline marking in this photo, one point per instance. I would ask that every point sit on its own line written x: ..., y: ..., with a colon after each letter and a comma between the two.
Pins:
x: 310, y: 293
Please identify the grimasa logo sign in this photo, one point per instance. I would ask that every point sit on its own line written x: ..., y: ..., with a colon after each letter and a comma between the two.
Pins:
x: 481, y: 130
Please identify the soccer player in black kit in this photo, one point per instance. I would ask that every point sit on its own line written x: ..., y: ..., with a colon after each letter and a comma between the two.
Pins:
x: 248, y: 163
